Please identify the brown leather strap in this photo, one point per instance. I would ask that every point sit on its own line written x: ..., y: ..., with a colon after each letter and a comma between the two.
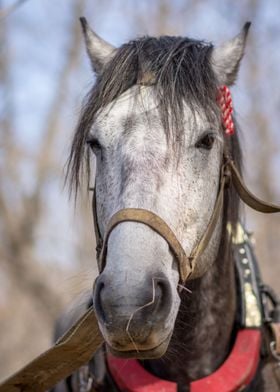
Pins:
x: 248, y: 198
x: 98, y: 237
x: 204, y: 241
x: 73, y: 350
x: 157, y: 224
x: 230, y: 172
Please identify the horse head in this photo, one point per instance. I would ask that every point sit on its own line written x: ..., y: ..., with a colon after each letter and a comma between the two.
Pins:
x: 154, y: 126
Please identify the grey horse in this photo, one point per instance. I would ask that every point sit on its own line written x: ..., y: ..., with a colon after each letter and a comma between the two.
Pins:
x: 154, y: 127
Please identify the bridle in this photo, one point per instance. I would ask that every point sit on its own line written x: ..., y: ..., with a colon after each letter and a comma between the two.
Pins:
x: 186, y: 263
x: 228, y: 173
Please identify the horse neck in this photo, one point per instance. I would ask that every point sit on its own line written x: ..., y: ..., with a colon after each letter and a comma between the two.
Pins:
x: 203, y: 329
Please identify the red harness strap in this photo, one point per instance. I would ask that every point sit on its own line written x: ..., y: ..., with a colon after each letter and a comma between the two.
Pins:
x: 234, y: 374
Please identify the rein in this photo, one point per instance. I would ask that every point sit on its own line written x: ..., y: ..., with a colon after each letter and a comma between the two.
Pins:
x: 78, y: 345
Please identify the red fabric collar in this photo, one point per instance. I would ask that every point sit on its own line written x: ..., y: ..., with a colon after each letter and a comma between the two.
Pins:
x: 234, y: 374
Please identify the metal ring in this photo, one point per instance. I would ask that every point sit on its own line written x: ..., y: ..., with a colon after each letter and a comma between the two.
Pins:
x: 273, y: 351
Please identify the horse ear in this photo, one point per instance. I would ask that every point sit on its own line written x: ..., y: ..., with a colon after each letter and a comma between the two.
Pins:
x: 226, y: 58
x: 99, y: 51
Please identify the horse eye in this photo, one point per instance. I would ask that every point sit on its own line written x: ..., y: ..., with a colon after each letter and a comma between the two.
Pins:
x: 206, y: 142
x: 93, y: 143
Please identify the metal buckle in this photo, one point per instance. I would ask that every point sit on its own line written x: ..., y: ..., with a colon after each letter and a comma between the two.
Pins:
x: 270, y: 302
x: 273, y: 351
x: 226, y: 172
x: 85, y: 379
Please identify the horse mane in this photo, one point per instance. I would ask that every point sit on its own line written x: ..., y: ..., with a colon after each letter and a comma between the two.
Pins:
x: 182, y: 72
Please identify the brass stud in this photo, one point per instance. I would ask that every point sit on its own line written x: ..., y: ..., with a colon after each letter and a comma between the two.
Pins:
x: 247, y: 272
x: 245, y: 260
x: 242, y: 251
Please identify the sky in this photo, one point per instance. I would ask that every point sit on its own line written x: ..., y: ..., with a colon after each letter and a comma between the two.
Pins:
x: 39, y: 37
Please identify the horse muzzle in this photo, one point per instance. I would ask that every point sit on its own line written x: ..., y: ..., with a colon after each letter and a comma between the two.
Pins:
x: 135, y: 318
x: 140, y: 317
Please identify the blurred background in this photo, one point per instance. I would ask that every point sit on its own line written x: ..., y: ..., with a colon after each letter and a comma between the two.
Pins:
x: 46, y: 245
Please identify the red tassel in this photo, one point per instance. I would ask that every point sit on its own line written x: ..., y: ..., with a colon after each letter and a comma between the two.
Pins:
x: 225, y: 101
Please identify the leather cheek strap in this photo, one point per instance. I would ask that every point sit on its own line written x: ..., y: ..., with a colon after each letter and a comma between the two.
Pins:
x: 205, y: 239
x: 229, y: 173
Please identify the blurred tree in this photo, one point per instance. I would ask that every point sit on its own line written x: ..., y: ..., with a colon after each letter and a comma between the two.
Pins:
x: 262, y: 145
x: 28, y: 283
x: 34, y: 218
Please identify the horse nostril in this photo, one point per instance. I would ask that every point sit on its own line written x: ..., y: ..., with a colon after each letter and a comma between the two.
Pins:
x: 97, y: 301
x: 163, y: 297
x: 148, y: 303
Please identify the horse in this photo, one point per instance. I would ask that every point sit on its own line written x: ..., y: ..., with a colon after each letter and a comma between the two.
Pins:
x: 153, y: 123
